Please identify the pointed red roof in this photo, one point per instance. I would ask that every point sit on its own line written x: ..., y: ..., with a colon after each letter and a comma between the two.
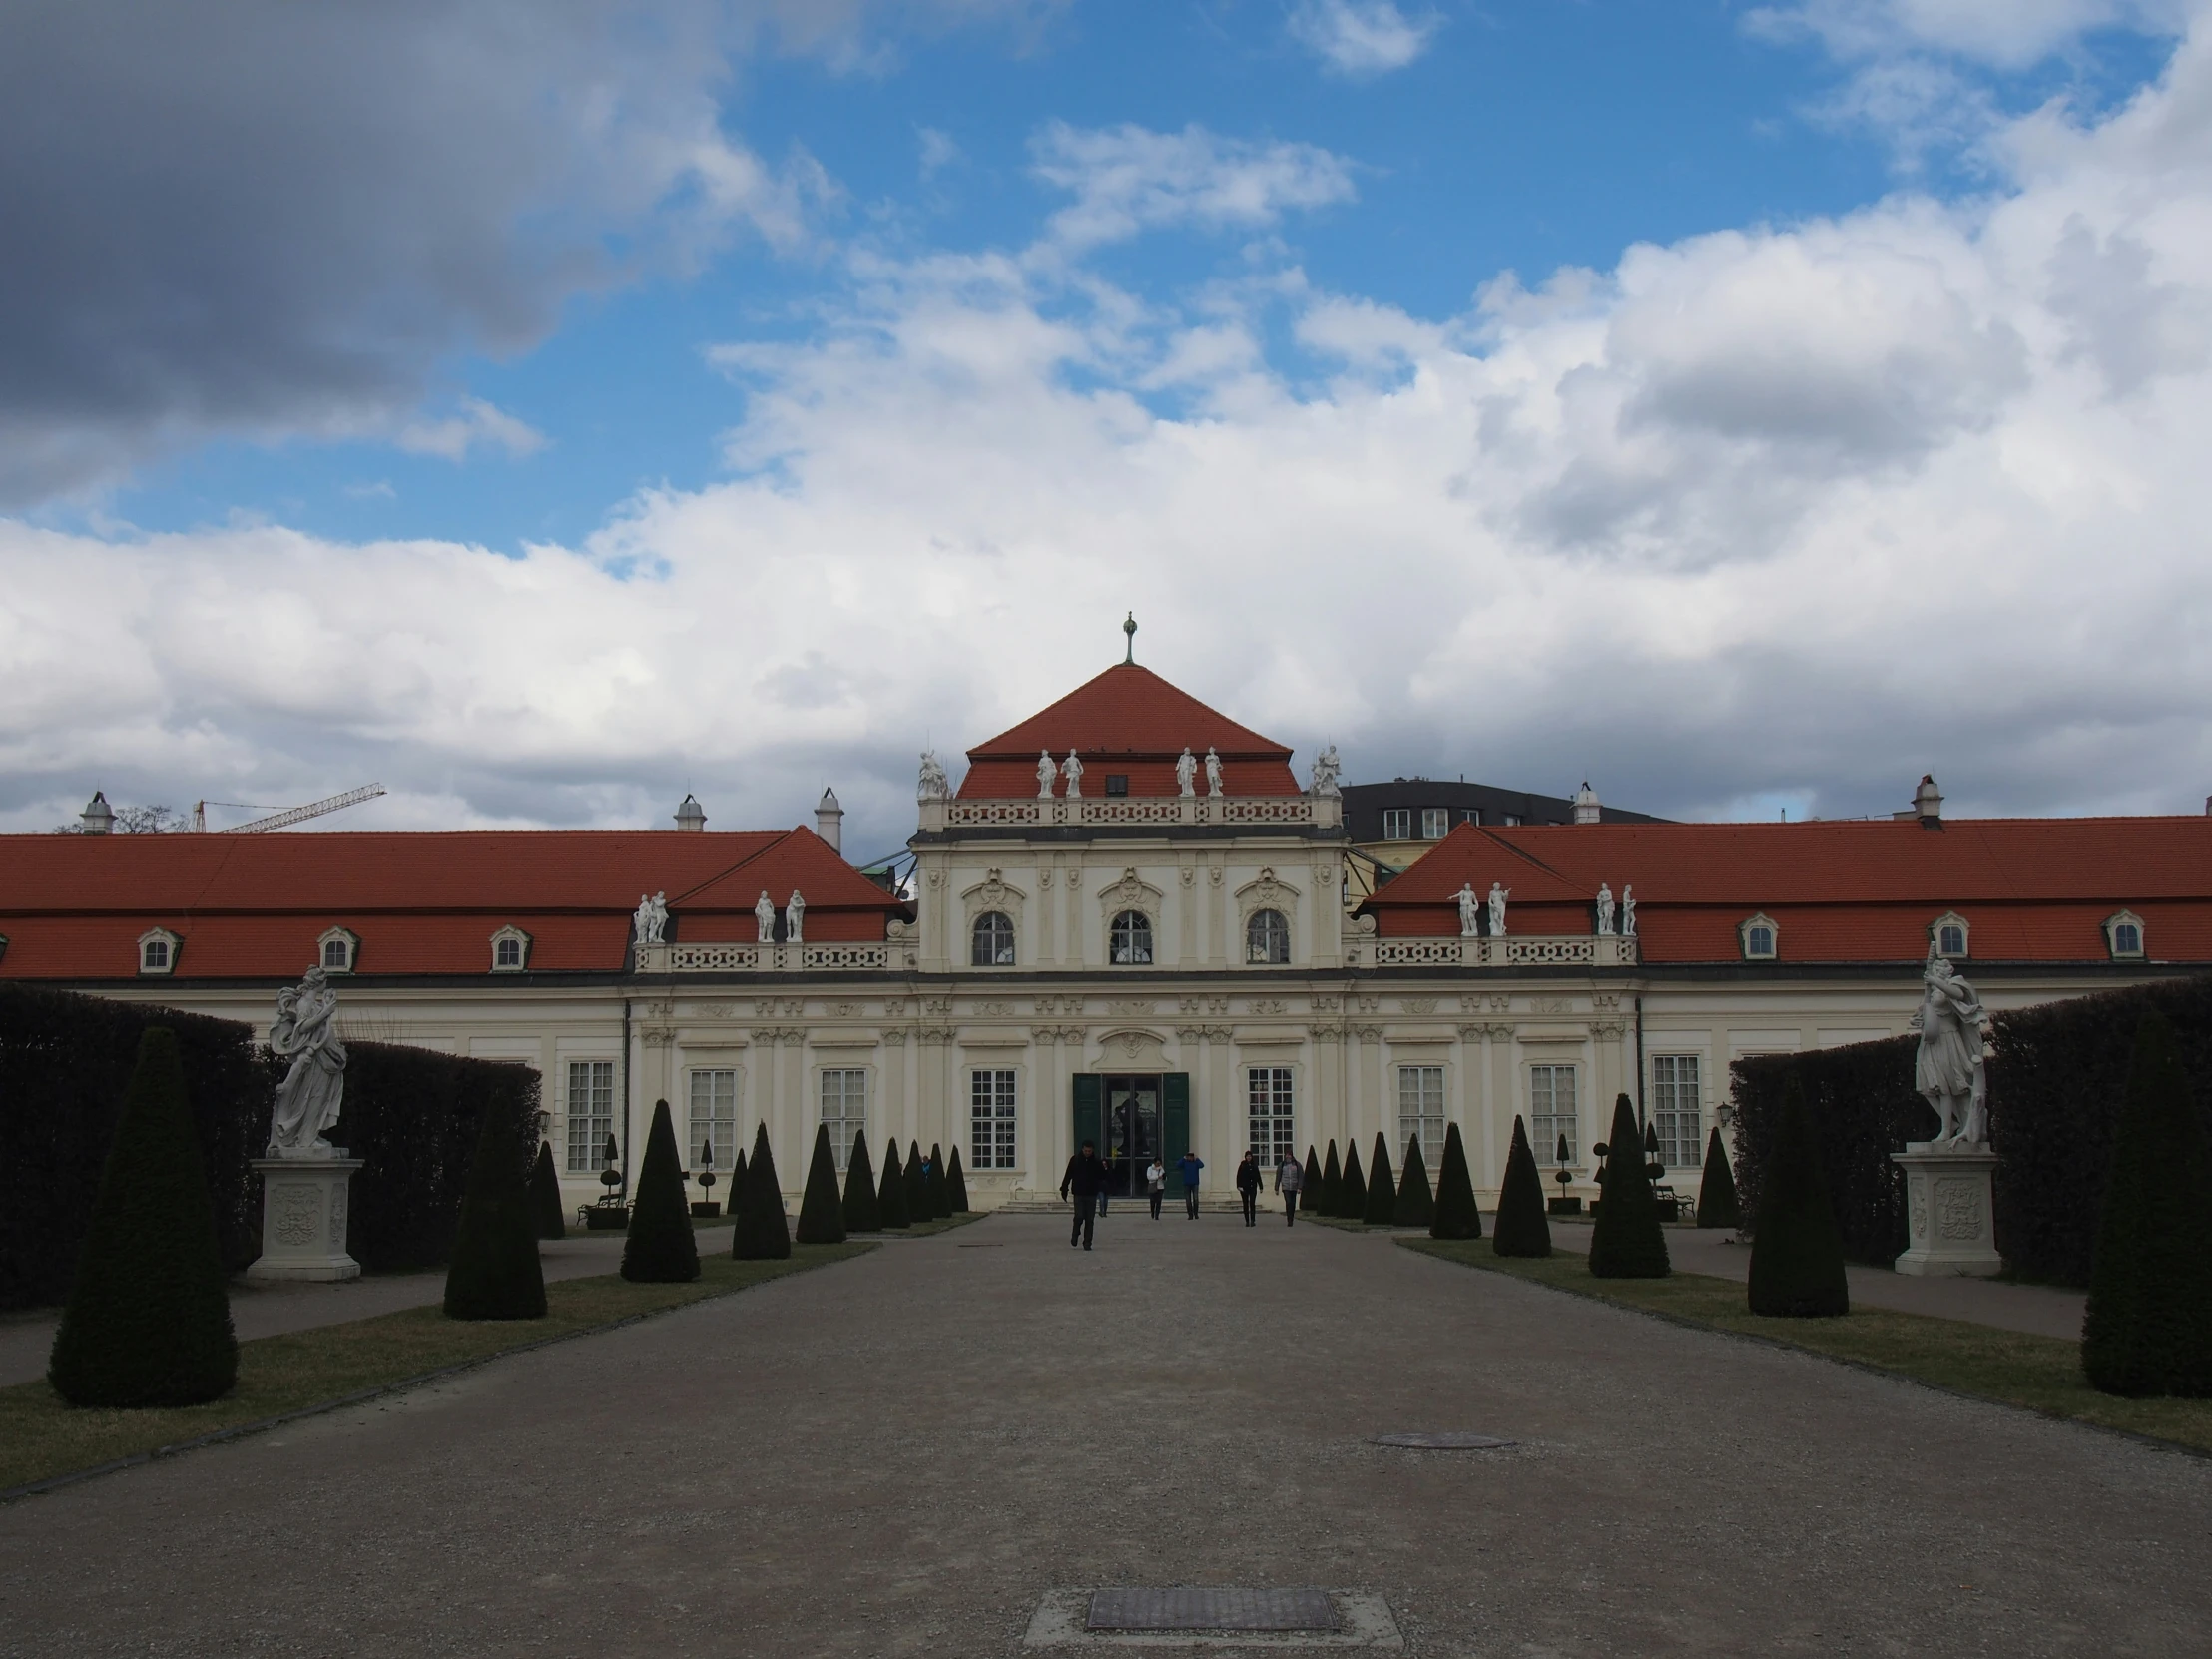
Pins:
x: 1128, y: 719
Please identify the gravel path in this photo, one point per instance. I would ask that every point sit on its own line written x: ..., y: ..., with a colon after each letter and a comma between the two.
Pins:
x: 902, y: 1454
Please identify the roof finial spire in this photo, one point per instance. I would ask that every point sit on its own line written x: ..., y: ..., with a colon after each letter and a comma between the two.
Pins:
x: 1129, y: 627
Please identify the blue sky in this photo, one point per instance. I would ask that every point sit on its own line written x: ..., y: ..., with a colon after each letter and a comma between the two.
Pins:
x: 544, y: 411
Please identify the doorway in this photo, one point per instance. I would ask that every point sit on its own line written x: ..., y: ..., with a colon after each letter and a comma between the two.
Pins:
x: 1132, y: 1133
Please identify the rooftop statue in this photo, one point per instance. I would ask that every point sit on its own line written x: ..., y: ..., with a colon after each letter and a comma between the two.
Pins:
x: 1047, y: 769
x: 1325, y: 768
x: 933, y: 784
x: 1949, y: 1070
x: 1604, y: 907
x: 1186, y: 769
x: 1470, y: 908
x: 308, y: 1100
x: 1072, y: 770
x: 1498, y: 897
x: 1628, y: 912
x: 1213, y: 771
x: 794, y: 914
x: 651, y: 920
x: 764, y: 917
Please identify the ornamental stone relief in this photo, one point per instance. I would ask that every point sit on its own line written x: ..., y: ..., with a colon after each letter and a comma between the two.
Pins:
x: 296, y: 1211
x: 1268, y: 1005
x: 1416, y: 1005
x: 1958, y: 1209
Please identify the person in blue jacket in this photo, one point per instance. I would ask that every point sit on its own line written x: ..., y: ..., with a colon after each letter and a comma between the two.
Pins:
x: 1188, y: 1167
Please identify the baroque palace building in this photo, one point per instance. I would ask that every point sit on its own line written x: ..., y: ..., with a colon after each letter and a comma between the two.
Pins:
x: 1130, y: 922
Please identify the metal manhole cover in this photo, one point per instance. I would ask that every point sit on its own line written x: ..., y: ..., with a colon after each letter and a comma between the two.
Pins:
x: 1189, y: 1609
x: 1447, y: 1441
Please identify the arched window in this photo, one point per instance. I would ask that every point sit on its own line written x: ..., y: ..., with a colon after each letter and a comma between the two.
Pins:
x: 991, y: 944
x: 1949, y: 935
x: 1760, y: 937
x: 1268, y: 938
x: 1130, y: 941
x: 337, y: 947
x: 158, y: 951
x: 2124, y: 934
x: 510, y: 951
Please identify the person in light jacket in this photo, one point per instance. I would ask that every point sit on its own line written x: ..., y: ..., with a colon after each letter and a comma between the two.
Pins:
x: 1247, y: 1186
x: 1290, y: 1181
x: 1156, y: 1184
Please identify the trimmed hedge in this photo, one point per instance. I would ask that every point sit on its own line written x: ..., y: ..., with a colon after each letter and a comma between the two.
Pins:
x: 1352, y: 1190
x: 761, y: 1232
x: 1309, y: 1193
x: 495, y: 1273
x: 892, y: 1213
x: 862, y: 1212
x: 545, y: 1195
x: 1522, y: 1228
x: 1627, y: 1242
x: 955, y: 1182
x: 661, y: 1247
x: 1331, y: 1195
x: 941, y: 1191
x: 1416, y: 1205
x: 1381, y: 1202
x: 820, y: 1211
x: 1715, y: 1191
x: 1457, y: 1216
x: 1797, y: 1252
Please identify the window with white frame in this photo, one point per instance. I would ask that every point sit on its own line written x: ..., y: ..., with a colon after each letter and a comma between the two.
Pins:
x: 591, y: 1113
x: 1397, y: 824
x: 1948, y: 935
x: 991, y: 940
x: 1268, y: 938
x: 1271, y: 1126
x: 158, y: 951
x: 1471, y: 814
x: 1435, y: 823
x: 714, y: 1119
x: 991, y: 1119
x: 1759, y: 938
x: 510, y: 951
x: 1421, y: 1112
x: 1677, y: 1110
x: 2124, y: 935
x: 1130, y: 941
x: 1551, y: 1113
x: 338, y: 950
x: 844, y: 1108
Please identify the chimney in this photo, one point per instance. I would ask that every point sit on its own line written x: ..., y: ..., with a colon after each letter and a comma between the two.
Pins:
x: 1928, y: 804
x: 691, y: 815
x: 1586, y: 809
x: 97, y: 816
x: 830, y: 820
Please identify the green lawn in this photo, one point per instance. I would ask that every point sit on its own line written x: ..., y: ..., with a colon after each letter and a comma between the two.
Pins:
x: 41, y: 1436
x: 2038, y: 1374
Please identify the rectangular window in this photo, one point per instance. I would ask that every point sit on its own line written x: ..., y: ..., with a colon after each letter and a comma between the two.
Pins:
x: 1397, y: 824
x: 1420, y: 1113
x: 844, y: 1109
x: 1472, y: 814
x: 1513, y: 820
x: 713, y: 1121
x: 1435, y: 823
x: 591, y: 1113
x: 1274, y: 1129
x: 991, y: 1120
x: 1117, y: 782
x: 1675, y: 1113
x: 1551, y: 1113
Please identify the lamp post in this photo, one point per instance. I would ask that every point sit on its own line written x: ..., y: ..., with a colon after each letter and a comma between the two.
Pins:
x: 1564, y: 1205
x: 705, y: 1208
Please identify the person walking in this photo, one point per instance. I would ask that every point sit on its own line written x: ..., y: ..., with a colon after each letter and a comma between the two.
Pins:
x: 1290, y: 1181
x: 1189, y: 1166
x: 1156, y: 1184
x: 1247, y: 1186
x: 1087, y: 1177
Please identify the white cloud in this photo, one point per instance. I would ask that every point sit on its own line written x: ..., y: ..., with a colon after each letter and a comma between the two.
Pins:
x: 478, y: 424
x: 2003, y: 34
x: 938, y: 151
x: 1130, y: 179
x: 1361, y: 37
x: 1779, y: 513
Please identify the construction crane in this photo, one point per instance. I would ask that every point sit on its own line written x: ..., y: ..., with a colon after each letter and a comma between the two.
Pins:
x: 289, y: 817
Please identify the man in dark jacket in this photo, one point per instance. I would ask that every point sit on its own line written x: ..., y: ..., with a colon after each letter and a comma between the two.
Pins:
x: 1248, y: 1187
x: 1087, y: 1176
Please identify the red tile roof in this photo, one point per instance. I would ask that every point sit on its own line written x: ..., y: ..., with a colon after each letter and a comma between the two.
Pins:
x: 1128, y: 719
x: 2031, y: 888
x: 73, y: 906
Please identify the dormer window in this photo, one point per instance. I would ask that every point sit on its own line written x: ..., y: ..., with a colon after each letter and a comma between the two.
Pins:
x: 2123, y: 936
x: 1948, y: 935
x: 338, y: 949
x: 1760, y: 938
x: 510, y: 951
x: 158, y: 951
x: 1435, y: 823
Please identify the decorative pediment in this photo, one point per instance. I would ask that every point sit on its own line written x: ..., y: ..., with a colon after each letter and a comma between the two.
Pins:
x: 1132, y: 1048
x: 1131, y: 892
x: 992, y: 893
x: 1265, y: 893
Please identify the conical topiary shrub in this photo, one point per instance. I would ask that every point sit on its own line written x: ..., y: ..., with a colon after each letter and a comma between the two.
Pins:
x: 940, y: 1190
x: 891, y: 1211
x: 821, y: 1211
x: 1352, y: 1190
x: 495, y: 1273
x: 1382, y: 1186
x: 955, y: 1182
x: 1332, y: 1194
x: 545, y: 1195
x: 2148, y: 1328
x: 1627, y: 1242
x: 148, y: 1322
x: 1716, y: 1193
x: 1797, y: 1253
x: 1457, y: 1216
x: 862, y: 1214
x: 660, y: 1249
x: 1416, y: 1205
x: 919, y: 1207
x: 761, y: 1234
x: 1522, y: 1228
x: 1309, y: 1197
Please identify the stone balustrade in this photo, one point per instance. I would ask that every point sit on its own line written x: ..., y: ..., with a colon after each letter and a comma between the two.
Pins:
x: 1254, y: 811
x: 1531, y: 950
x: 831, y: 956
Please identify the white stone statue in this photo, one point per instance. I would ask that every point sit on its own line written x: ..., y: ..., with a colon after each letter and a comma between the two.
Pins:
x: 935, y: 785
x: 1949, y: 1070
x: 1498, y: 897
x: 1072, y: 770
x: 1469, y: 909
x: 1628, y: 912
x: 1213, y: 771
x: 764, y: 917
x: 794, y: 914
x: 1325, y: 768
x: 1604, y: 907
x: 651, y: 922
x: 308, y: 1100
x: 1047, y: 769
x: 1186, y: 769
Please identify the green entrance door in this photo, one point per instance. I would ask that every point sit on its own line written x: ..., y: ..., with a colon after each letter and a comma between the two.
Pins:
x: 1133, y: 1119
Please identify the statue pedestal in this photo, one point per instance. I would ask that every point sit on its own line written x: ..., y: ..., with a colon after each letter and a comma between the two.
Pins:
x: 1950, y: 1214
x: 304, y: 1205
